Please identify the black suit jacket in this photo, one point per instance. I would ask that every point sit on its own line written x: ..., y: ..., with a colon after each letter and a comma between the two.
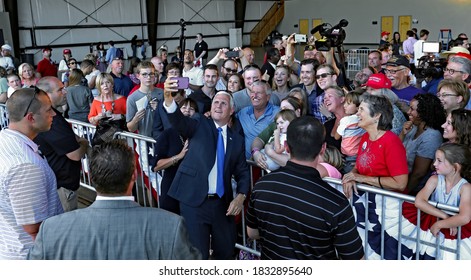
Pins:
x: 190, y: 185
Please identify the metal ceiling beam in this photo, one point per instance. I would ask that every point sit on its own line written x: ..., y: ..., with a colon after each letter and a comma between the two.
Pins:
x: 11, y: 7
x: 239, y: 7
x: 152, y: 8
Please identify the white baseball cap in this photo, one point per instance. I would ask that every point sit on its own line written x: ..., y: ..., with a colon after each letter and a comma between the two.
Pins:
x: 6, y: 47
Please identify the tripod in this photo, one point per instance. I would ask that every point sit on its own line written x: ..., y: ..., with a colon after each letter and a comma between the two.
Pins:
x: 183, y: 25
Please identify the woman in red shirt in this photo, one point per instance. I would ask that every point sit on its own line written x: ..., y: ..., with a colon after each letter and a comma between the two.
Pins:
x: 107, y: 103
x: 381, y: 159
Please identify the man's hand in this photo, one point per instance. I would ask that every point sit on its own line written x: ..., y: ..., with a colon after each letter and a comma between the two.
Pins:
x: 236, y: 206
x: 170, y: 87
x: 260, y: 159
x: 139, y: 115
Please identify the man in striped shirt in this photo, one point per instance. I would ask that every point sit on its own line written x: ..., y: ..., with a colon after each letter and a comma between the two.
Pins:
x: 28, y: 192
x: 294, y: 213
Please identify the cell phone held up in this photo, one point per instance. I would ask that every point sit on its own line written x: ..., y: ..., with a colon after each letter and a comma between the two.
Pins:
x: 232, y: 54
x: 183, y: 83
x: 300, y: 38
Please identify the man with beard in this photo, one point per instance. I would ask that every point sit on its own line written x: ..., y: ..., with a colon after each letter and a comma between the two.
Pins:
x: 195, y: 74
x: 229, y: 67
x: 398, y: 70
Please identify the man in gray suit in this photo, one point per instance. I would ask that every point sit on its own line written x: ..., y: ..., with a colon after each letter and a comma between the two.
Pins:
x: 114, y: 227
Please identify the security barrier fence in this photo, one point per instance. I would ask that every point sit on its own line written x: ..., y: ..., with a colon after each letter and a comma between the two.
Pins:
x: 386, y: 221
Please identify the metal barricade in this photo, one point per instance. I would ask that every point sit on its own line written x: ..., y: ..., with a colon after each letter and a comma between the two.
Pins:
x: 356, y: 59
x: 393, y: 226
x: 85, y: 130
x: 3, y: 116
x: 147, y: 184
x: 388, y: 204
x: 147, y: 188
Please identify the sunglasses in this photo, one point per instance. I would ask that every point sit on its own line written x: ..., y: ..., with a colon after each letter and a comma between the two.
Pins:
x: 36, y: 91
x: 324, y: 75
x: 72, y: 63
x: 229, y: 70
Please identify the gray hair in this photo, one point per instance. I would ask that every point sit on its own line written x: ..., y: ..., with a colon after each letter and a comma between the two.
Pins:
x: 231, y: 100
x: 263, y: 84
x: 389, y: 94
x: 464, y: 62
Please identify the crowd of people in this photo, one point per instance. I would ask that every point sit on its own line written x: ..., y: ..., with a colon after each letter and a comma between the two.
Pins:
x: 296, y: 116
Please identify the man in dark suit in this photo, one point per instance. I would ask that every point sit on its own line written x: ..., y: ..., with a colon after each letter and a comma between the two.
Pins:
x: 209, y: 212
x: 114, y: 227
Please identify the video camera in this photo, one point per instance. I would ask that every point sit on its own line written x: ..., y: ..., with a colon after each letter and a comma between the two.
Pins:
x: 430, y: 66
x: 331, y: 36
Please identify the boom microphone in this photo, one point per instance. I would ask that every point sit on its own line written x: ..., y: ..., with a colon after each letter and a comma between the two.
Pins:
x: 342, y: 23
x: 318, y: 28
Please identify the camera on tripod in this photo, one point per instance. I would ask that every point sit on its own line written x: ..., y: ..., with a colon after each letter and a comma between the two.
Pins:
x: 331, y: 36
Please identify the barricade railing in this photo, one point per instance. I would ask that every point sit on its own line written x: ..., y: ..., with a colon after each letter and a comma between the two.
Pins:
x: 383, y: 201
x: 356, y: 59
x: 410, y: 240
x: 395, y: 225
x: 85, y: 130
x: 3, y: 116
x: 147, y: 188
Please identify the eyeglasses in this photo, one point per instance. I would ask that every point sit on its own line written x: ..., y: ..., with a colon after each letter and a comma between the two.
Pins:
x: 323, y: 75
x: 389, y: 71
x: 174, y: 73
x: 72, y: 63
x: 452, y: 71
x: 230, y: 70
x: 445, y: 94
x: 36, y: 91
x: 147, y: 75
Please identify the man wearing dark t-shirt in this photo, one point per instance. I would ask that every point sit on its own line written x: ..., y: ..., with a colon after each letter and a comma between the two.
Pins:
x: 61, y: 147
x: 200, y: 51
x: 294, y: 213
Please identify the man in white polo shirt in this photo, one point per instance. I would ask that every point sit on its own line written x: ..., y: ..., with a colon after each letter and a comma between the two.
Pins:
x: 28, y: 192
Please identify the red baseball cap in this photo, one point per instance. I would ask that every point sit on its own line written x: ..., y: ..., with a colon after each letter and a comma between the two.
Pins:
x: 47, y: 49
x: 66, y: 51
x: 378, y: 81
x: 465, y: 55
x: 384, y: 33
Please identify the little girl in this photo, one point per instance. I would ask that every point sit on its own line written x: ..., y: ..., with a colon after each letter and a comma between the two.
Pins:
x: 277, y: 141
x: 449, y: 186
x: 330, y: 163
x: 349, y: 131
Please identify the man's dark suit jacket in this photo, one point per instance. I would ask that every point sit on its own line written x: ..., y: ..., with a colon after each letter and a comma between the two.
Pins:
x: 190, y: 185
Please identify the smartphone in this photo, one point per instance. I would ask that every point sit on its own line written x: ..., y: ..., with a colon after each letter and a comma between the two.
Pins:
x: 232, y: 54
x: 183, y: 82
x: 300, y: 38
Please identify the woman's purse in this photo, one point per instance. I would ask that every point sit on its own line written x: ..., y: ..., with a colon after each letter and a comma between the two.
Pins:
x: 106, y: 128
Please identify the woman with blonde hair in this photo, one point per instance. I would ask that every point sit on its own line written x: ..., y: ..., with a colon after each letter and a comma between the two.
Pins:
x: 108, y: 104
x: 27, y: 75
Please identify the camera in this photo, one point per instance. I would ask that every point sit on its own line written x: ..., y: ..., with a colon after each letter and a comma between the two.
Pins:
x: 331, y: 36
x: 430, y: 66
x: 300, y: 38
